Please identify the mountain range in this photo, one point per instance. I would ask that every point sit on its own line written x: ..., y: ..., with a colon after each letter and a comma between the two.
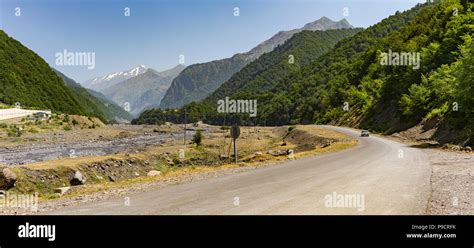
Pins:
x: 103, y: 82
x: 144, y: 90
x: 199, y: 80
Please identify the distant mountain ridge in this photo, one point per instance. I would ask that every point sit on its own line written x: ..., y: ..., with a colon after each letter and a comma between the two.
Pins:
x: 101, y: 83
x: 199, y: 80
x: 321, y: 24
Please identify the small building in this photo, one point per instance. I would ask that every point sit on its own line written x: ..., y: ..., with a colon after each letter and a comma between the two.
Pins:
x: 41, y: 116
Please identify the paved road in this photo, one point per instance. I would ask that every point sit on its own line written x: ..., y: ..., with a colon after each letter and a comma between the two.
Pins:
x: 378, y: 176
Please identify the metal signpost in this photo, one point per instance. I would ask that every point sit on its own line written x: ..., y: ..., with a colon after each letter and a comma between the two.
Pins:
x: 235, y: 133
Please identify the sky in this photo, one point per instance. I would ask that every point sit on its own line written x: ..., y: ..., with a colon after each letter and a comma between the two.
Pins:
x: 158, y: 32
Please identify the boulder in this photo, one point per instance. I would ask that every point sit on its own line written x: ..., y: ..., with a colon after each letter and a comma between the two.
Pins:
x: 153, y: 173
x: 7, y: 179
x: 77, y: 179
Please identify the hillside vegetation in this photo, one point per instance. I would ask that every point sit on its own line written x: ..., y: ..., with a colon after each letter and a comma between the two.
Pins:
x: 26, y: 78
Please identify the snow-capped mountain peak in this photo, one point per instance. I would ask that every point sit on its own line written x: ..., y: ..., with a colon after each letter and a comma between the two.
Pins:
x: 100, y: 83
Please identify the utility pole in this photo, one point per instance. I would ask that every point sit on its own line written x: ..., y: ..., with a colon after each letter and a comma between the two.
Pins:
x: 235, y: 151
x: 223, y: 135
x: 185, y: 127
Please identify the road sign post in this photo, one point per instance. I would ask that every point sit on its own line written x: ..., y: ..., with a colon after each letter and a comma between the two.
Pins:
x: 235, y: 133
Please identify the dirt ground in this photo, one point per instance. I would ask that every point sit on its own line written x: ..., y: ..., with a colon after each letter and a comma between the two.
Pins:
x: 452, y: 178
x: 452, y: 183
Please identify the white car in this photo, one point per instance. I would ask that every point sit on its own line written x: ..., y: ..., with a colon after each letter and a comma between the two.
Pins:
x: 364, y: 133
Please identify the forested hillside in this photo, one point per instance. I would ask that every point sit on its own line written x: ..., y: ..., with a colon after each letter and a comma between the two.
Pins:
x: 261, y: 75
x: 26, y: 78
x: 199, y: 80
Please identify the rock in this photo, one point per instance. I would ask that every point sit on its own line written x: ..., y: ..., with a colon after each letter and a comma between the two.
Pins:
x: 61, y: 190
x: 137, y: 174
x: 455, y: 148
x: 169, y: 161
x: 7, y: 179
x: 223, y: 156
x: 467, y: 149
x: 77, y: 179
x: 250, y: 158
x: 283, y: 143
x: 111, y: 178
x: 153, y: 173
x: 258, y: 153
x: 276, y: 153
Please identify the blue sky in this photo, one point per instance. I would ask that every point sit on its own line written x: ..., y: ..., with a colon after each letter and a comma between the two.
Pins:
x: 158, y: 32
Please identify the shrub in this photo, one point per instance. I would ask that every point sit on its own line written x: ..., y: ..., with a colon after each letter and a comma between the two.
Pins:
x: 14, y: 131
x: 197, y: 138
x: 291, y: 128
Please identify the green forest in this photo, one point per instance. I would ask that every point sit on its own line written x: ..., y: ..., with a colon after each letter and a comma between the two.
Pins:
x: 26, y: 78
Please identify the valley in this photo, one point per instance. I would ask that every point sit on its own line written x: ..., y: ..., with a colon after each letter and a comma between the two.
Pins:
x: 381, y: 114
